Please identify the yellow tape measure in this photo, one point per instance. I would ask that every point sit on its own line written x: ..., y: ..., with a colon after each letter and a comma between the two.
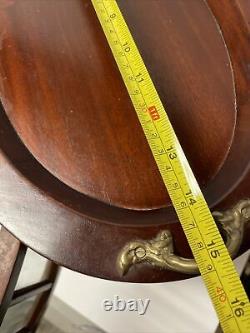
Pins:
x: 217, y: 269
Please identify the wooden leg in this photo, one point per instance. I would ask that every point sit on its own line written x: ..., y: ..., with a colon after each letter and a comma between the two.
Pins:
x: 12, y: 254
x: 41, y: 305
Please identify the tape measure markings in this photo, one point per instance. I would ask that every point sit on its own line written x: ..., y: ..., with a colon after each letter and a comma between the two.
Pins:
x: 230, y: 299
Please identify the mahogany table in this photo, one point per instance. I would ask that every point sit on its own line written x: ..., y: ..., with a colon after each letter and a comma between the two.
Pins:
x: 78, y: 183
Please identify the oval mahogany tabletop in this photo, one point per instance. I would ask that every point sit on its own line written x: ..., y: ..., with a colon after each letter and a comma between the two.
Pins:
x: 78, y: 180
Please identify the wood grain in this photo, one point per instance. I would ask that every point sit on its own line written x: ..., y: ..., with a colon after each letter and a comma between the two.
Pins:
x: 77, y: 178
x: 65, y: 81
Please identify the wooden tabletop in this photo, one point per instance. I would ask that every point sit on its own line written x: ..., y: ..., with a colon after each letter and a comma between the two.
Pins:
x: 78, y: 180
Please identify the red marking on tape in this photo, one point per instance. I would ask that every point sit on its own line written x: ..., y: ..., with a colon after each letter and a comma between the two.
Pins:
x: 153, y: 113
x: 221, y: 294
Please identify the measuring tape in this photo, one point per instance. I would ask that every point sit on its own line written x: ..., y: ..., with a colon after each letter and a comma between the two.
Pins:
x: 216, y: 267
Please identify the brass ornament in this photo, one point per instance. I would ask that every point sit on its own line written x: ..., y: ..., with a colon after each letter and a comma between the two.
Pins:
x: 159, y: 251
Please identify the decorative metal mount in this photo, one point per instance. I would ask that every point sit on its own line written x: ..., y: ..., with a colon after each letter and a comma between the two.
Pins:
x: 159, y: 252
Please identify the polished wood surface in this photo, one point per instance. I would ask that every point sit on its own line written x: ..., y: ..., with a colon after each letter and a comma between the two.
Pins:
x: 77, y: 178
x: 101, y: 143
